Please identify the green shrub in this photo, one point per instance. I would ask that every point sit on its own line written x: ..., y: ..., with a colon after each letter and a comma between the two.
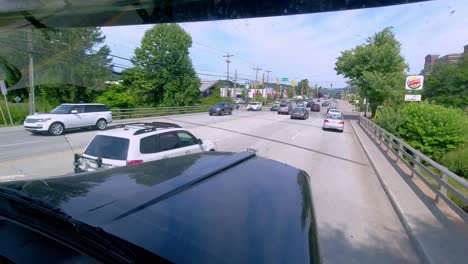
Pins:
x: 117, y: 96
x: 18, y: 113
x: 432, y: 129
x: 457, y: 160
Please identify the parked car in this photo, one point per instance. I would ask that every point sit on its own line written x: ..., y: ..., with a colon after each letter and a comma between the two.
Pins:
x: 137, y: 143
x: 158, y: 212
x: 285, y: 108
x: 334, y: 121
x: 254, y: 106
x: 275, y: 107
x: 315, y: 108
x: 69, y: 116
x: 300, y: 113
x: 221, y: 108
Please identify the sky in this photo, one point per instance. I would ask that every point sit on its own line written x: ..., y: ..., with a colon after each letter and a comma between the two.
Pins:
x: 307, y: 46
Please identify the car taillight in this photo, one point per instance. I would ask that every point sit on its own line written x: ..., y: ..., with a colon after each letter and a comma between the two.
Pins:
x: 134, y: 162
x: 326, y: 121
x: 341, y: 123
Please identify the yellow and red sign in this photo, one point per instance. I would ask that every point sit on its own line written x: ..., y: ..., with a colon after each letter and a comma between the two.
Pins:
x: 414, y: 83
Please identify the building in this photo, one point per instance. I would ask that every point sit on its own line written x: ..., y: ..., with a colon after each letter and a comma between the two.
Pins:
x: 430, y: 59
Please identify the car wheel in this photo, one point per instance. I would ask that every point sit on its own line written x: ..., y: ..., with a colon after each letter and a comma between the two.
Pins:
x: 222, y: 113
x: 56, y: 129
x: 210, y: 114
x: 230, y: 112
x: 101, y: 124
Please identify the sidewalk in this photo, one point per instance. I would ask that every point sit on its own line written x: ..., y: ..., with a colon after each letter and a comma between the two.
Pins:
x: 436, y: 236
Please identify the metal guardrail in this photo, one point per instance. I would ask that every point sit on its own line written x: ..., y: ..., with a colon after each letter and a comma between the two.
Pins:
x: 417, y: 162
x: 126, y: 113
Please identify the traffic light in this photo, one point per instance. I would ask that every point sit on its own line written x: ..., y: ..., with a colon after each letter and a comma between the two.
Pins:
x: 293, y: 83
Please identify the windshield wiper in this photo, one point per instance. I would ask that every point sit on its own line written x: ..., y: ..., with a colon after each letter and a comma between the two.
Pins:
x: 37, y: 214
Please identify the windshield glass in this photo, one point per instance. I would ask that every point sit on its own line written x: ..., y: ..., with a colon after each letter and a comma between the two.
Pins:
x: 62, y: 109
x: 137, y: 71
x: 108, y: 147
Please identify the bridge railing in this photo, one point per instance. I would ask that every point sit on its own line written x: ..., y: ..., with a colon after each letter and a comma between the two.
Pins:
x: 126, y: 113
x: 437, y: 177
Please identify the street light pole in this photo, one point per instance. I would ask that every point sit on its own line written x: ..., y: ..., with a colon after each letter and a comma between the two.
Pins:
x: 256, y: 80
x: 227, y: 56
x: 32, y: 105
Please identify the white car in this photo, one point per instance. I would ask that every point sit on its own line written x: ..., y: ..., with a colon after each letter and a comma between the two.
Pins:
x: 333, y: 121
x: 69, y: 116
x: 254, y: 106
x: 137, y: 143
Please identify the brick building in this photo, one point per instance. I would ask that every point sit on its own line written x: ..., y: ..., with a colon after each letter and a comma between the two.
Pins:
x: 431, y: 59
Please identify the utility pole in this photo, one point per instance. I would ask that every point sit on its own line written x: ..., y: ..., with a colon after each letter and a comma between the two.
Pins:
x: 32, y: 105
x: 227, y: 56
x: 256, y: 80
x: 235, y: 79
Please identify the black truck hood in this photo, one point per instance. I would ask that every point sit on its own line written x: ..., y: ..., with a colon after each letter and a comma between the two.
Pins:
x: 213, y: 207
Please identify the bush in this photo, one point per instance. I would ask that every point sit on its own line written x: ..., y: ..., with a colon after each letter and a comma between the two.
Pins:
x: 117, y: 96
x: 432, y: 129
x: 457, y: 160
x: 18, y: 113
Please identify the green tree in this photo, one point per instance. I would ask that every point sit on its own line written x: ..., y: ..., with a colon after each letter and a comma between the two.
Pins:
x: 303, y: 87
x: 163, y: 73
x: 448, y: 84
x: 117, y: 96
x: 69, y: 64
x: 376, y: 67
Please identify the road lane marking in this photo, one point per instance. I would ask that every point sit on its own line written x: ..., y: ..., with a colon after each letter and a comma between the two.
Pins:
x: 22, y: 143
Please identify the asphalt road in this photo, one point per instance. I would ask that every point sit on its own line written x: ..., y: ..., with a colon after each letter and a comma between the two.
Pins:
x: 356, y: 221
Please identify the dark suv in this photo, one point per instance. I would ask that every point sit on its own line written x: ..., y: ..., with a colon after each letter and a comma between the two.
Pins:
x: 315, y: 108
x: 220, y: 109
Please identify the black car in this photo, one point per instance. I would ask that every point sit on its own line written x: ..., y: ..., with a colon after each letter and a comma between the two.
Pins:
x: 315, y: 108
x: 300, y: 113
x: 309, y: 103
x: 325, y: 104
x: 200, y: 208
x: 220, y: 109
x: 274, y: 107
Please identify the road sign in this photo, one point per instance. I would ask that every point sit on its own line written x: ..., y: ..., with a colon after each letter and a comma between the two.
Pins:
x: 414, y: 83
x: 284, y: 79
x: 3, y: 87
x: 17, y: 99
x: 412, y: 97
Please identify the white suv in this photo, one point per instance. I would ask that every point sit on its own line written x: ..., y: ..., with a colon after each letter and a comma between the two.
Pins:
x: 137, y: 143
x: 255, y: 106
x: 69, y: 116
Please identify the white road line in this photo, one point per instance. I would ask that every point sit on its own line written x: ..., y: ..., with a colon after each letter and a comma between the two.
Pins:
x: 22, y: 143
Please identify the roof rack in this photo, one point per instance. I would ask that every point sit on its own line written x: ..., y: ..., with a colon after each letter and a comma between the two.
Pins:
x: 143, y: 127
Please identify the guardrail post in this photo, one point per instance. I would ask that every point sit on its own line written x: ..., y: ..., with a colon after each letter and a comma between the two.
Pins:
x: 416, y: 166
x: 442, y: 189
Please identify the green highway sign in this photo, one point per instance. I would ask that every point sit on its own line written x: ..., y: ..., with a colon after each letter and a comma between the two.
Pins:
x: 284, y: 79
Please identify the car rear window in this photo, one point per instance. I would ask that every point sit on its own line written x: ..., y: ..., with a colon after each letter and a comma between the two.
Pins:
x: 335, y: 116
x: 283, y: 105
x: 108, y: 147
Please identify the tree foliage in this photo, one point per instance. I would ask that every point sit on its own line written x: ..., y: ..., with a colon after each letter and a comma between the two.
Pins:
x: 376, y: 67
x: 448, y: 84
x: 117, y: 96
x: 163, y: 73
x: 432, y: 129
x: 69, y: 64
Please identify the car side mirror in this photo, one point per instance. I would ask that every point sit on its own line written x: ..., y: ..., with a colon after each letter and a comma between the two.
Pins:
x: 74, y: 111
x: 199, y: 141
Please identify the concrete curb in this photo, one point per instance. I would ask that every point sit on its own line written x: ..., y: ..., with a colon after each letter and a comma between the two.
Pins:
x: 396, y: 206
